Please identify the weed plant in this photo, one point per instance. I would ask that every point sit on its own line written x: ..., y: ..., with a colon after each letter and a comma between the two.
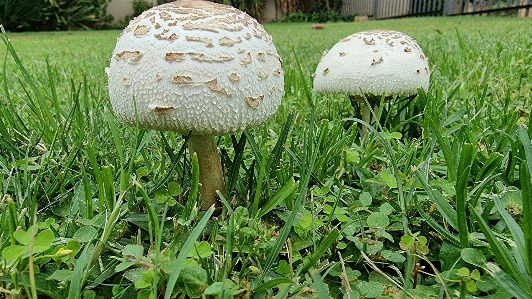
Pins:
x: 434, y: 202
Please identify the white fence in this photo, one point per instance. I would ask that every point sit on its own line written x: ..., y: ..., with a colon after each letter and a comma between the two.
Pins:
x: 383, y: 9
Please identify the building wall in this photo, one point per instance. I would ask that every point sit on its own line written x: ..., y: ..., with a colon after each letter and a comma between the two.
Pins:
x: 271, y: 12
x: 361, y: 8
x: 119, y: 9
x: 393, y: 8
x: 387, y: 8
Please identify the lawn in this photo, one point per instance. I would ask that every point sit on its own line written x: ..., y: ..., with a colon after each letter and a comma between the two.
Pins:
x: 434, y: 202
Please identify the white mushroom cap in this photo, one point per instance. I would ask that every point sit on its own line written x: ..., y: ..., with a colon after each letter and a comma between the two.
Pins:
x: 195, y: 65
x: 374, y: 61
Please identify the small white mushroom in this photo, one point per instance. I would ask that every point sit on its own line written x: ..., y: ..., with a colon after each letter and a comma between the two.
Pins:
x: 396, y: 71
x: 191, y: 66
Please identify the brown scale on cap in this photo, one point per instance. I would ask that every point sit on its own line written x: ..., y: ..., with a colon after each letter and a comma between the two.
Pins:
x: 234, y: 77
x: 228, y: 42
x: 165, y: 16
x: 160, y: 109
x: 246, y: 60
x: 175, y: 56
x: 230, y: 28
x: 130, y: 56
x: 213, y: 85
x: 377, y: 61
x: 207, y: 41
x: 262, y: 75
x: 205, y: 58
x: 254, y: 102
x: 170, y: 37
x: 261, y: 56
x: 181, y: 79
x: 369, y: 42
x: 148, y: 14
x: 200, y: 26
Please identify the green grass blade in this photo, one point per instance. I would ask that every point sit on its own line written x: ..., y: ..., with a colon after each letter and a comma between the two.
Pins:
x: 464, y: 168
x: 278, y: 149
x: 224, y: 201
x: 507, y: 282
x: 237, y: 162
x: 437, y: 227
x: 517, y: 235
x: 175, y: 163
x: 89, y: 211
x: 526, y: 185
x: 448, y: 153
x: 442, y: 205
x: 319, y: 251
x: 193, y: 194
x: 491, y: 165
x: 286, y: 191
x: 319, y: 285
x: 253, y: 144
x: 260, y: 182
x: 501, y: 252
x: 79, y: 273
x: 183, y: 252
x: 270, y: 284
x: 53, y: 90
x: 228, y: 263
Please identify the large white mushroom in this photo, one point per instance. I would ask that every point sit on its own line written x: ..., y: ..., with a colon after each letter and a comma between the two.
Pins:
x: 373, y: 62
x: 196, y: 67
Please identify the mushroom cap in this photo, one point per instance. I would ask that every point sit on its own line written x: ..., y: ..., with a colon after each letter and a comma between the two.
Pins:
x: 197, y: 66
x: 374, y: 61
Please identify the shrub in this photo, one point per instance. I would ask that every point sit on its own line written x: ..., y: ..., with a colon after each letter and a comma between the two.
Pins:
x: 23, y: 15
x: 140, y: 5
x: 252, y: 7
x: 317, y: 17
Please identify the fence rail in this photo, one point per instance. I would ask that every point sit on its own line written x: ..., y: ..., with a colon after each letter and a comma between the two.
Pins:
x: 385, y: 9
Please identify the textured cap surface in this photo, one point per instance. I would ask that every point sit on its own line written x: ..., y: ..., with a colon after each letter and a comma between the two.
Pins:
x: 373, y: 61
x: 195, y: 65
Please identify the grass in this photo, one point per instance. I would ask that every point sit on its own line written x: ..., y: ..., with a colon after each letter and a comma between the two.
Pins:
x: 433, y: 203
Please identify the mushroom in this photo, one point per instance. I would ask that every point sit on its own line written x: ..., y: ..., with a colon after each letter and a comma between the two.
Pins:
x: 373, y: 62
x: 199, y: 68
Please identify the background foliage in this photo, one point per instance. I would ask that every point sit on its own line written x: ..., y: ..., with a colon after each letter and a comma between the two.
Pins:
x: 37, y: 15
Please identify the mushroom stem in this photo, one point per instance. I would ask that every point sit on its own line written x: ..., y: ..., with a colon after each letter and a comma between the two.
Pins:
x: 366, y: 116
x: 211, y: 174
x: 366, y: 111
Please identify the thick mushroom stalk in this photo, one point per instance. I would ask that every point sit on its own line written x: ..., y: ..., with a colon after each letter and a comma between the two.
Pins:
x: 366, y: 110
x: 211, y: 173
